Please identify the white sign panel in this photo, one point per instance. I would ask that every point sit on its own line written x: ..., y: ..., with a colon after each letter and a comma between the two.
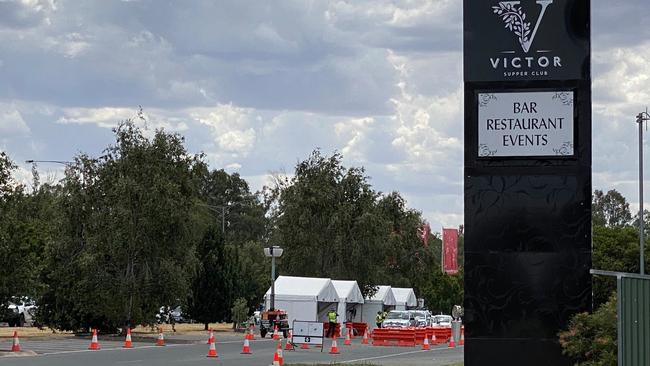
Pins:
x: 307, y: 332
x: 525, y: 124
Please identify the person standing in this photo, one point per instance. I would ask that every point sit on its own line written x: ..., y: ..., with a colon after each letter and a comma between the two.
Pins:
x: 379, y: 319
x: 331, y: 318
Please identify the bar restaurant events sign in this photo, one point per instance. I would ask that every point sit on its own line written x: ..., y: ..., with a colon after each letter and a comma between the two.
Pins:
x: 525, y: 124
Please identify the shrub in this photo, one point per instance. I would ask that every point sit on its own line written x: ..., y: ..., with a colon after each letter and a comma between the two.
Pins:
x: 591, y: 338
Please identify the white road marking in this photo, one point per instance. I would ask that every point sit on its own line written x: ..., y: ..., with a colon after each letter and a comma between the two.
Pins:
x: 113, y: 349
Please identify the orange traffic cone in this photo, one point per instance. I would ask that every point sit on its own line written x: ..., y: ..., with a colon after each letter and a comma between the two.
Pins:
x: 276, y: 336
x: 279, y: 352
x: 212, y: 352
x: 347, y: 341
x: 451, y: 344
x: 434, y: 340
x: 246, y: 350
x: 334, y: 350
x: 365, y: 337
x: 425, y: 344
x: 289, y: 345
x: 127, y: 342
x: 251, y: 330
x: 462, y: 339
x: 211, y: 336
x: 161, y: 338
x: 94, y: 345
x: 16, y: 346
x: 276, y: 359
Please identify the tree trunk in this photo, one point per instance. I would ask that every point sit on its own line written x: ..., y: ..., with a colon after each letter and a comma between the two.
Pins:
x: 205, y: 326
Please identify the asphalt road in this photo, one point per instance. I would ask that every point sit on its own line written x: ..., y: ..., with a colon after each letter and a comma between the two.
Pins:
x: 73, y: 352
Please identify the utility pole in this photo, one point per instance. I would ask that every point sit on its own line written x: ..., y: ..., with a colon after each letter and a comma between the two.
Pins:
x: 643, y: 116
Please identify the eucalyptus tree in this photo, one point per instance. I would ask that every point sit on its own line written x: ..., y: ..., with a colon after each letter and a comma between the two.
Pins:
x: 128, y: 233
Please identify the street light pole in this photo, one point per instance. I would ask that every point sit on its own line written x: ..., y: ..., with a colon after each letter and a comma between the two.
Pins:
x: 272, y: 280
x: 273, y: 252
x: 643, y: 116
x: 49, y: 161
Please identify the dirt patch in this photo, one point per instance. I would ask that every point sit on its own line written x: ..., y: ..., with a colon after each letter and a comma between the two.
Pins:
x: 184, y: 328
x: 27, y: 332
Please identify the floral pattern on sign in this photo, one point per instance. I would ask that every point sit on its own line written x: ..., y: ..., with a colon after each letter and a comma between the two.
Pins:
x: 484, y: 150
x: 566, y: 98
x: 515, y: 20
x: 565, y: 149
x: 484, y: 99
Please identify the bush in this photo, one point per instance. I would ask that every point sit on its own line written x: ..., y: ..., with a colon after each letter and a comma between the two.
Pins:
x: 591, y: 338
x: 239, y: 312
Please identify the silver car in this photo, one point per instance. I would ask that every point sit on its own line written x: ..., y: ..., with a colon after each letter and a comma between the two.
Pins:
x: 423, y: 318
x: 399, y: 319
x: 442, y: 321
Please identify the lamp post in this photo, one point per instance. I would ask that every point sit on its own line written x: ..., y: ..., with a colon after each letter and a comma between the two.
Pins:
x: 48, y: 161
x: 273, y: 252
x: 643, y: 116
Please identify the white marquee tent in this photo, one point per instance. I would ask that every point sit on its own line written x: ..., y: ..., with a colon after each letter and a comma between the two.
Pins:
x: 350, y: 297
x: 303, y: 298
x: 404, y: 298
x: 382, y: 300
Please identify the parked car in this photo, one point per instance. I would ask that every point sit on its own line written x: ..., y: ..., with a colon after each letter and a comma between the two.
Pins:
x: 399, y: 319
x: 423, y: 318
x: 166, y: 315
x: 20, y: 312
x: 442, y: 321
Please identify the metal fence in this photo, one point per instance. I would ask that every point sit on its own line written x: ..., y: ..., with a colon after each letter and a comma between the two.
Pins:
x: 633, y: 317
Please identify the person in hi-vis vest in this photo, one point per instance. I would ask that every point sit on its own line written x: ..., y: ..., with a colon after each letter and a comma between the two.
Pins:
x: 331, y: 317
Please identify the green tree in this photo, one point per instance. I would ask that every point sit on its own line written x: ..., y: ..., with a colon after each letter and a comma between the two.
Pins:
x: 327, y: 222
x: 128, y: 233
x: 611, y: 209
x: 614, y: 249
x: 237, y: 222
x: 239, y: 312
x: 215, y: 286
x: 21, y: 242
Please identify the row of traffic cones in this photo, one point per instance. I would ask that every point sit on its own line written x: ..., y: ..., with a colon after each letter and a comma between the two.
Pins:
x: 212, y: 352
x: 128, y: 343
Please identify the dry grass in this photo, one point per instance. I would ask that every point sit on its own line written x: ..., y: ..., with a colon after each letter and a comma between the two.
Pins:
x: 30, y: 332
x: 184, y: 328
x: 47, y: 332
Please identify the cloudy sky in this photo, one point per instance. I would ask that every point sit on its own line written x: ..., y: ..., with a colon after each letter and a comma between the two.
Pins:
x: 257, y: 85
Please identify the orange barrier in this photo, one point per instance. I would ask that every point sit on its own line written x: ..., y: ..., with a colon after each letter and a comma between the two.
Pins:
x: 359, y: 328
x: 403, y: 337
x: 409, y: 337
x: 337, y: 332
x: 420, y: 335
x: 442, y: 334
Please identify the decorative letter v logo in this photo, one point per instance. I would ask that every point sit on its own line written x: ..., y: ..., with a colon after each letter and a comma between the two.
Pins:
x: 515, y: 19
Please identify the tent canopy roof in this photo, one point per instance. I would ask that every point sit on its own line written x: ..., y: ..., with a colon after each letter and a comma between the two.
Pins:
x: 384, y: 295
x: 348, y: 291
x: 405, y: 296
x: 304, y: 289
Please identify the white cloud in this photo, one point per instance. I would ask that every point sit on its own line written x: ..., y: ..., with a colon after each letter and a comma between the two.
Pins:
x: 354, y: 132
x: 422, y: 123
x: 234, y: 128
x: 109, y: 117
x: 12, y: 122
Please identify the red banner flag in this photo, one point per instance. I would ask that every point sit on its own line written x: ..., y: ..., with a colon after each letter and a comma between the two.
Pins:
x: 450, y: 251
